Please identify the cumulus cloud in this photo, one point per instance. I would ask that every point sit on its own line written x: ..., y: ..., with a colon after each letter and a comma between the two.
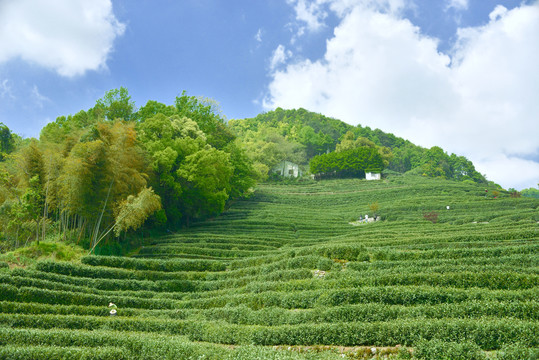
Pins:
x: 67, y: 36
x: 311, y: 13
x: 479, y: 100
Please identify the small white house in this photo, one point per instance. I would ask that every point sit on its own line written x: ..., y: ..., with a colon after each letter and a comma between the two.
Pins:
x: 287, y: 169
x: 372, y: 175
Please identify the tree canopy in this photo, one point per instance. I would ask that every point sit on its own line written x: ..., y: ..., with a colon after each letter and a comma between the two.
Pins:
x: 107, y: 170
x: 299, y: 136
x: 115, y: 169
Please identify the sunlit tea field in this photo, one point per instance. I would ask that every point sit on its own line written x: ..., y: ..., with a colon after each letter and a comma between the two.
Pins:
x: 291, y: 273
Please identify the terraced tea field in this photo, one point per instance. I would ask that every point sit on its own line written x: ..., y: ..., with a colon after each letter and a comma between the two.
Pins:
x: 291, y: 274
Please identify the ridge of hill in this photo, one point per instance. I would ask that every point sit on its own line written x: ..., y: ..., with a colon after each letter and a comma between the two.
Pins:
x: 298, y: 135
x: 290, y: 273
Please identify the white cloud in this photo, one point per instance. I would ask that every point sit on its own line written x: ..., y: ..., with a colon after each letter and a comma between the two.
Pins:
x: 516, y: 172
x: 379, y: 70
x: 280, y: 55
x: 39, y: 99
x: 310, y: 12
x: 68, y: 36
x: 258, y: 36
x: 498, y: 12
x: 457, y: 4
x: 5, y: 90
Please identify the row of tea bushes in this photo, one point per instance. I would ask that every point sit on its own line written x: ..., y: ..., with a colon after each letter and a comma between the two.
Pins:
x: 45, y: 296
x: 271, y: 316
x: 55, y: 344
x: 154, y: 265
x: 488, y: 333
x: 101, y: 272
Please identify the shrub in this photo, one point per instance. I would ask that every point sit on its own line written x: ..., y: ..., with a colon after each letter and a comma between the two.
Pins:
x: 517, y: 352
x: 431, y: 216
x: 156, y: 265
x: 440, y: 350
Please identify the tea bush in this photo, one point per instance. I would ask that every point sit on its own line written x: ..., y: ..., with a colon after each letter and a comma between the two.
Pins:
x: 286, y: 269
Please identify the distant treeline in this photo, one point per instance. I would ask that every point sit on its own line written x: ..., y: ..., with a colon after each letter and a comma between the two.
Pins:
x: 300, y: 135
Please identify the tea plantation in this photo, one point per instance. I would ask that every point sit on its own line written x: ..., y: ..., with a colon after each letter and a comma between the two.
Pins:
x: 448, y: 272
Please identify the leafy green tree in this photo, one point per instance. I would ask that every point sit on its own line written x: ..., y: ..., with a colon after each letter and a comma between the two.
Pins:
x: 168, y: 141
x: 206, y: 177
x: 463, y: 169
x: 206, y: 114
x: 315, y: 143
x: 28, y: 173
x: 406, y: 157
x: 244, y: 176
x: 7, y: 141
x: 436, y: 164
x: 349, y: 163
x: 67, y: 130
x: 116, y: 104
x: 531, y: 192
x: 153, y: 108
x: 349, y: 142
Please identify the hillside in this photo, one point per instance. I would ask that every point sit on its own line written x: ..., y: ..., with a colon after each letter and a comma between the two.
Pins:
x: 291, y: 274
x: 298, y: 135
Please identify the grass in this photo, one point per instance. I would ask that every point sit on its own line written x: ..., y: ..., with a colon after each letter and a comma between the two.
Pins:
x: 34, y: 252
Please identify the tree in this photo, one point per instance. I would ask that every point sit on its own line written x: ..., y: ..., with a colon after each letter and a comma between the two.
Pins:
x: 374, y: 207
x: 7, y: 141
x: 244, y: 176
x: 531, y: 192
x: 206, y: 177
x: 153, y: 108
x: 169, y: 141
x: 436, y: 164
x: 116, y: 104
x: 31, y: 175
x: 349, y: 142
x: 100, y: 172
x: 348, y: 163
x: 205, y: 112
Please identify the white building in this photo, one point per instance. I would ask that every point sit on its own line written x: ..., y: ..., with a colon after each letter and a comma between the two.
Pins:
x: 287, y: 169
x: 371, y: 175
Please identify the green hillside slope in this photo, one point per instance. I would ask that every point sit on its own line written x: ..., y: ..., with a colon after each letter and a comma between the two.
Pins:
x: 292, y: 274
x: 299, y: 135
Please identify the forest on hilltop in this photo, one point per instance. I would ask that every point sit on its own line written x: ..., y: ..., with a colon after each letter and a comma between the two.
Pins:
x: 110, y: 171
x: 300, y: 135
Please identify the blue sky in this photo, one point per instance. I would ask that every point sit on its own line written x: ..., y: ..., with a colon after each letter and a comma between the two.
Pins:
x: 461, y: 74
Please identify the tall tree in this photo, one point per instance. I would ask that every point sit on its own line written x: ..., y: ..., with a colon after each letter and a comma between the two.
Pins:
x: 206, y: 177
x: 168, y: 141
x: 205, y: 112
x: 101, y: 171
x: 7, y: 141
x: 116, y: 104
